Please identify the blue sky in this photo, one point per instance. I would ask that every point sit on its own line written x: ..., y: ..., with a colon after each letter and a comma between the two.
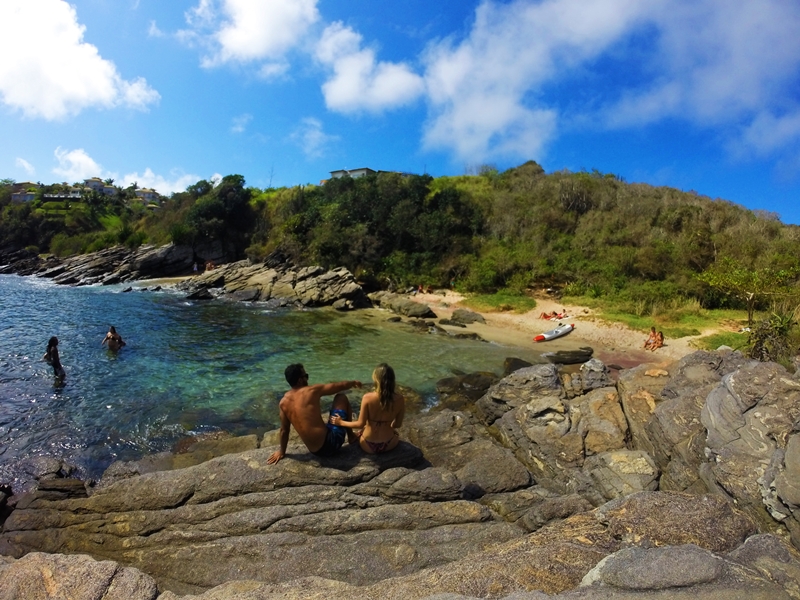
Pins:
x: 699, y: 95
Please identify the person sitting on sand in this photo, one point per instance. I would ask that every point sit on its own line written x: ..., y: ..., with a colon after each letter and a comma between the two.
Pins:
x: 659, y: 342
x: 381, y: 413
x: 113, y: 339
x: 651, y: 339
x: 300, y: 406
x: 52, y: 358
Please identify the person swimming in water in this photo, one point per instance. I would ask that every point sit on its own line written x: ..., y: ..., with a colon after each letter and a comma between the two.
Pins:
x: 53, y: 359
x: 113, y: 339
x: 382, y: 411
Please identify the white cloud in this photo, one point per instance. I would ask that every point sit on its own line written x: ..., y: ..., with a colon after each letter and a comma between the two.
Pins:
x: 23, y: 164
x: 242, y: 31
x: 716, y: 63
x: 154, y: 31
x: 484, y: 92
x: 178, y: 182
x: 273, y: 70
x: 47, y: 69
x: 768, y: 133
x: 708, y: 62
x: 239, y: 123
x: 359, y: 81
x: 310, y: 137
x: 77, y: 165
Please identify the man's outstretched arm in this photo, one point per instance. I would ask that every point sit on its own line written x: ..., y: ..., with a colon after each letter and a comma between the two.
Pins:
x: 328, y: 389
x: 286, y: 426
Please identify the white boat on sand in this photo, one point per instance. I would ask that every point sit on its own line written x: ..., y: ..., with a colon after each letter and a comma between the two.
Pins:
x: 562, y: 329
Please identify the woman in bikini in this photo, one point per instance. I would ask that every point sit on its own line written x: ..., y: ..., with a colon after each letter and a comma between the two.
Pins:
x: 381, y: 413
x: 651, y: 339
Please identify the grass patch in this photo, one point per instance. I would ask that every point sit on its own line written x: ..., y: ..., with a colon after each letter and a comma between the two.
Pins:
x: 737, y: 341
x: 501, y: 301
x: 676, y: 319
x: 110, y: 222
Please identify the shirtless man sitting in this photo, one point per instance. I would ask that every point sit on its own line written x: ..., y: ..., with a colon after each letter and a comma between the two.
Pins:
x: 300, y: 406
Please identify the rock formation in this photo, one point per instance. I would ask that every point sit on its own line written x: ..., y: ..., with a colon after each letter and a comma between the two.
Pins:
x: 678, y: 480
x: 274, y: 280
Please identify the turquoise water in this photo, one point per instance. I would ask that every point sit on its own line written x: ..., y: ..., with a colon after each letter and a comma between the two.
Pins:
x: 188, y: 368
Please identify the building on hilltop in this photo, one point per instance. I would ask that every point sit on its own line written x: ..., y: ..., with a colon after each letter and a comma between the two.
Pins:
x: 147, y: 194
x: 98, y: 185
x: 354, y: 173
x: 360, y: 172
x: 24, y: 191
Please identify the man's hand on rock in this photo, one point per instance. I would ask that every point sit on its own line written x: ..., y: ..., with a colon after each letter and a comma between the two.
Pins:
x: 275, y: 457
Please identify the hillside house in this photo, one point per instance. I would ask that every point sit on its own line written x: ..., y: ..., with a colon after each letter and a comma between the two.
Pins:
x: 98, y: 185
x: 24, y: 191
x: 361, y: 172
x: 354, y: 173
x: 148, y: 195
x: 65, y: 193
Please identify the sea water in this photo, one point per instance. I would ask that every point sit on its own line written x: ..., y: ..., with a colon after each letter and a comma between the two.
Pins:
x: 189, y: 367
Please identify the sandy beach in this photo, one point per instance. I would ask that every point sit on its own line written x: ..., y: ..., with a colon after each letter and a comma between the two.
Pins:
x: 612, y: 343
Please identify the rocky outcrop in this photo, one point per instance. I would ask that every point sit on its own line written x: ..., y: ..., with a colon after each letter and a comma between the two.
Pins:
x: 236, y: 517
x: 678, y: 481
x: 281, y: 283
x: 466, y: 317
x: 630, y: 548
x: 276, y: 280
x: 402, y: 305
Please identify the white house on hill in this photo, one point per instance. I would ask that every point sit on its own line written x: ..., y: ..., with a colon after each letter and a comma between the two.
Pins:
x: 98, y: 185
x: 147, y: 194
x: 354, y: 173
x: 24, y: 191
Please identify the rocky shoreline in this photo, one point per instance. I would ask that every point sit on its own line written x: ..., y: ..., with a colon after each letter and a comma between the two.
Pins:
x: 275, y: 280
x: 677, y: 481
x: 674, y: 480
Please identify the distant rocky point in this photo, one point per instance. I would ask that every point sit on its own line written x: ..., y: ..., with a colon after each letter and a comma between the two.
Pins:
x: 274, y: 280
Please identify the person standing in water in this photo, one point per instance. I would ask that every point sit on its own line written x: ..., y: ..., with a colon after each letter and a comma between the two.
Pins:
x: 52, y: 358
x: 113, y: 339
x: 381, y: 413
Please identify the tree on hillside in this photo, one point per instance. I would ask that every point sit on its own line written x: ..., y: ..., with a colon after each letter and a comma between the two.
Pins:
x: 751, y: 286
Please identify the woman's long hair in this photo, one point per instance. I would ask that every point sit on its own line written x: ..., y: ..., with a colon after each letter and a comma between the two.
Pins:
x: 383, y: 376
x: 51, y: 343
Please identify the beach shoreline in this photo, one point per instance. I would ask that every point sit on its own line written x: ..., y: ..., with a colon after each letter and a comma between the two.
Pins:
x: 613, y: 343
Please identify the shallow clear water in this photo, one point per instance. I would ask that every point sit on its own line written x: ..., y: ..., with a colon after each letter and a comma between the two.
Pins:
x: 188, y: 367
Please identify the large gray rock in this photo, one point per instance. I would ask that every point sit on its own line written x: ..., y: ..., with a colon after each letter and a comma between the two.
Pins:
x: 306, y: 286
x: 39, y: 576
x: 553, y: 437
x: 538, y: 385
x: 452, y: 440
x: 751, y: 420
x: 466, y: 317
x: 402, y: 305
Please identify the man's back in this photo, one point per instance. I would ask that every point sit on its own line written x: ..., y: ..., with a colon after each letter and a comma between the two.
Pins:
x: 302, y: 408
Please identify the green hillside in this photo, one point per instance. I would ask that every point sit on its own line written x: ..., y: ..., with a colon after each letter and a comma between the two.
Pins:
x: 643, y: 248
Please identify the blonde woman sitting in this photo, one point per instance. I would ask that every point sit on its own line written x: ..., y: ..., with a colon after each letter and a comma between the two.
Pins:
x: 381, y: 413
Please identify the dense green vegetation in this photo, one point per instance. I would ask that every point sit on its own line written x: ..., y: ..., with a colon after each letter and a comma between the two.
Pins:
x: 646, y: 250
